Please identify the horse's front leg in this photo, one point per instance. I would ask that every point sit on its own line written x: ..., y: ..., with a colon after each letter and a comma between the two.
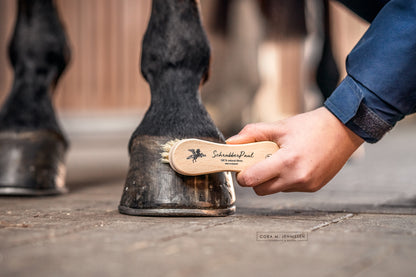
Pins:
x: 32, y: 145
x: 175, y: 62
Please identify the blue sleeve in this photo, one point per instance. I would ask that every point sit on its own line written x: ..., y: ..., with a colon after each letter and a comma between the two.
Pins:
x: 380, y: 88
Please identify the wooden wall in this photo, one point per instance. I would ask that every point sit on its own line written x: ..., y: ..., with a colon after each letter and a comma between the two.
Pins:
x: 7, y: 14
x: 105, y: 38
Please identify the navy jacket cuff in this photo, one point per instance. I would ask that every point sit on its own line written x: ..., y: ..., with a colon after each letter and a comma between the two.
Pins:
x: 348, y: 104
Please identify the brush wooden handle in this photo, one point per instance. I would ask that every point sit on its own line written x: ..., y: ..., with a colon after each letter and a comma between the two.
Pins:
x: 198, y: 157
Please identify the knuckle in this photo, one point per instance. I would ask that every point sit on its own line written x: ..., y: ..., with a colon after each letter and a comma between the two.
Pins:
x: 290, y: 161
x: 304, y: 179
x: 259, y: 192
x: 313, y: 188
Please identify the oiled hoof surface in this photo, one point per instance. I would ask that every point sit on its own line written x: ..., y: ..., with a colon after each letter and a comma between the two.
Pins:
x: 152, y: 188
x: 32, y: 163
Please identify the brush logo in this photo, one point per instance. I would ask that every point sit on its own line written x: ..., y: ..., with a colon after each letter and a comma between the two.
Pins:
x: 196, y: 153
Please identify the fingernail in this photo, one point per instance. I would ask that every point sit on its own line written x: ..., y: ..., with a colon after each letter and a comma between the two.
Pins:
x: 231, y: 138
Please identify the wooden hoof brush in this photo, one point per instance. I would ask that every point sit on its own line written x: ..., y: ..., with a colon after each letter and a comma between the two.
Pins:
x: 198, y: 157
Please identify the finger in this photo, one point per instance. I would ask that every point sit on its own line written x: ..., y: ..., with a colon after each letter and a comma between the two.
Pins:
x: 239, y: 139
x: 274, y: 185
x: 278, y: 184
x: 252, y: 133
x: 303, y: 188
x: 290, y: 190
x: 261, y: 172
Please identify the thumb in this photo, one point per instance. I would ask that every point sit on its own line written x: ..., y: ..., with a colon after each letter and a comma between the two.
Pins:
x: 239, y: 139
x: 253, y: 133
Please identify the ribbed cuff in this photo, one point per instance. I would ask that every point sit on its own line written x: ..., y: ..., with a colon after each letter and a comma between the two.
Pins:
x: 347, y: 104
x: 368, y: 125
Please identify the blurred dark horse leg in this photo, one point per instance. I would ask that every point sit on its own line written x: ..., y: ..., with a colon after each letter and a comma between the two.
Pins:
x: 259, y: 76
x: 281, y: 58
x: 236, y: 74
x: 32, y: 145
x: 175, y: 62
x: 327, y: 74
x: 235, y: 31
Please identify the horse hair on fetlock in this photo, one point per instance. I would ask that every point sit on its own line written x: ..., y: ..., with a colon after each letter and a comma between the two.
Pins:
x: 175, y: 61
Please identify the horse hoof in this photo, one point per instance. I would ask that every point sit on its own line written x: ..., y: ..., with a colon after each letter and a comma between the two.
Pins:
x: 152, y: 188
x: 32, y: 163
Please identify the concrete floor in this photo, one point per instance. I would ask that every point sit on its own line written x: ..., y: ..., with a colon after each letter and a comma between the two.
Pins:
x: 361, y: 224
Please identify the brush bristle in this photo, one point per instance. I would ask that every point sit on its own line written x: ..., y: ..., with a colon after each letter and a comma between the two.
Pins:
x: 166, y: 149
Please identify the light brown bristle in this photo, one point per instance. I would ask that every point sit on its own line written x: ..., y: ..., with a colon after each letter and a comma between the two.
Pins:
x: 166, y: 149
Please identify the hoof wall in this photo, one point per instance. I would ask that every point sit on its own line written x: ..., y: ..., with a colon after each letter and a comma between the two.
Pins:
x: 177, y: 212
x: 32, y: 163
x: 152, y: 188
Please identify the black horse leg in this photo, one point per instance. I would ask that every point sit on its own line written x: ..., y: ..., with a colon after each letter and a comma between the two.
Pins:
x: 327, y: 74
x: 32, y: 145
x: 175, y: 61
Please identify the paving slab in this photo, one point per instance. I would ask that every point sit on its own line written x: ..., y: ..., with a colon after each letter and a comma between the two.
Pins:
x: 361, y: 224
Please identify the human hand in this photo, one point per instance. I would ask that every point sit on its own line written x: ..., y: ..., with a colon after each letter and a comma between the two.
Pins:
x: 314, y: 146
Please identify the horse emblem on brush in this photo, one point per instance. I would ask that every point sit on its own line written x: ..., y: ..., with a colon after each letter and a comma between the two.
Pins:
x: 196, y: 153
